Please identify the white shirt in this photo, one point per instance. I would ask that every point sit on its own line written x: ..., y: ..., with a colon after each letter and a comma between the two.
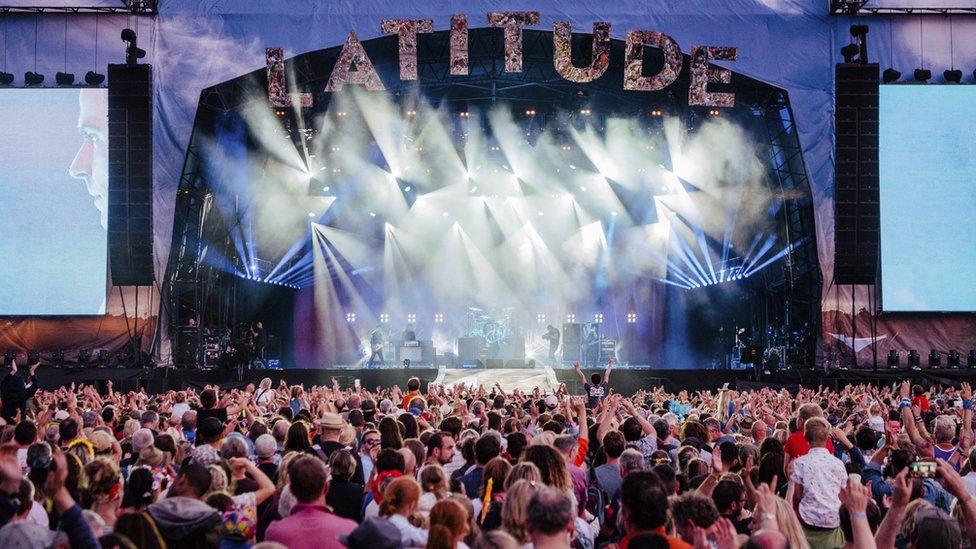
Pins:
x: 178, y: 409
x: 822, y: 476
x: 410, y: 535
x: 970, y: 482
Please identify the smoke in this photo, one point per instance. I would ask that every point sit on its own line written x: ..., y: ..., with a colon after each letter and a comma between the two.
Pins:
x: 419, y: 209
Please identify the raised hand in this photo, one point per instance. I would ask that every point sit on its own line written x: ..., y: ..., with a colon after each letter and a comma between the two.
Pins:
x: 855, y: 496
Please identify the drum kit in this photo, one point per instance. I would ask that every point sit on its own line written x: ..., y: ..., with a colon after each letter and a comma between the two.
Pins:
x: 493, y: 328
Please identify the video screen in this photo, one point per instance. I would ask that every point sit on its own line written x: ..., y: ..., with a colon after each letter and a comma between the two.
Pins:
x: 53, y: 201
x: 927, y: 161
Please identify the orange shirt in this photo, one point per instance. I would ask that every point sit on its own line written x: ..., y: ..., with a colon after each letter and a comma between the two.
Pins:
x: 407, y: 398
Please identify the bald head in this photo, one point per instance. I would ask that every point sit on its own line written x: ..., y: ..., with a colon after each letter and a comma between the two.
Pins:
x: 759, y: 430
x: 409, y: 461
x: 769, y: 539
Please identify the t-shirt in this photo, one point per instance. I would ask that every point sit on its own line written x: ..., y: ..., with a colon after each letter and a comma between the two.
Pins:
x: 595, y: 393
x: 797, y: 445
x: 204, y: 413
x: 922, y: 402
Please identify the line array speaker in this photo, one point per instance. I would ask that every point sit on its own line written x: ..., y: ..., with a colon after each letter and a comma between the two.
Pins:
x: 857, y: 198
x: 130, y: 182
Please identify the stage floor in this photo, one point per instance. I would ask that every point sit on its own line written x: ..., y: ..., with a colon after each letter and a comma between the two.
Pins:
x: 508, y: 379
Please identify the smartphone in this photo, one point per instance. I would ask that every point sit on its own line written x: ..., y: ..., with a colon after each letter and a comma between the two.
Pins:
x: 923, y: 468
x: 356, y: 383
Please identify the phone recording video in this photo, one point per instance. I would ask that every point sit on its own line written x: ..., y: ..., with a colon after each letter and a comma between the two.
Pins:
x: 924, y: 468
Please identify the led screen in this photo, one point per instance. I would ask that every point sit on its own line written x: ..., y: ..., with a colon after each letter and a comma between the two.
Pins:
x: 53, y: 201
x: 927, y: 164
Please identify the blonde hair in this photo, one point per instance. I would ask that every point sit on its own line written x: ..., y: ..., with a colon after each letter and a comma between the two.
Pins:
x: 433, y: 479
x: 283, y: 469
x: 943, y: 429
x: 788, y: 523
x: 399, y: 496
x: 524, y: 470
x: 907, y: 526
x: 515, y: 519
x: 218, y: 479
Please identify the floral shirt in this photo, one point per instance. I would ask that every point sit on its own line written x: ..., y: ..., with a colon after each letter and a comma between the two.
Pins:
x: 822, y: 476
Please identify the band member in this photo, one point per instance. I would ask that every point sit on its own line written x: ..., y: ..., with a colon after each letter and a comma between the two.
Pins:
x: 409, y: 334
x: 256, y: 340
x: 591, y: 344
x: 552, y: 336
x: 376, y: 346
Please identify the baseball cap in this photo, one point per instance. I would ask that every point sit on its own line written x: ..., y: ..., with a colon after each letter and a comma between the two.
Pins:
x: 265, y: 446
x: 551, y: 401
x: 373, y: 533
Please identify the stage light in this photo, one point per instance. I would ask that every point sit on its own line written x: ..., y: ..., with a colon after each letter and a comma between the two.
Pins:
x: 8, y: 357
x: 893, y: 359
x: 954, y: 76
x: 372, y: 214
x: 713, y: 112
x: 58, y: 359
x: 656, y: 112
x: 411, y: 112
x: 849, y: 51
x: 598, y: 318
x: 384, y: 318
x: 540, y: 318
x: 529, y: 112
x: 6, y: 78
x: 326, y: 188
x: 953, y: 359
x: 935, y: 358
x: 84, y: 356
x: 64, y: 78
x: 464, y: 114
x: 132, y: 52
x: 583, y: 188
x: 585, y: 112
x: 311, y: 214
x: 33, y: 79
x: 570, y: 317
x: 541, y: 214
x: 923, y: 75
x: 93, y: 78
x: 614, y: 213
x: 102, y: 358
x: 444, y: 214
x: 439, y: 318
x: 407, y: 189
x: 890, y: 75
x: 411, y: 318
x: 342, y: 113
x: 350, y: 317
x: 971, y: 359
x: 914, y: 360
x: 631, y: 318
x: 33, y: 356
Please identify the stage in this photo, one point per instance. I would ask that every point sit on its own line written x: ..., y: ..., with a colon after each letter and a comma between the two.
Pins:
x: 625, y: 381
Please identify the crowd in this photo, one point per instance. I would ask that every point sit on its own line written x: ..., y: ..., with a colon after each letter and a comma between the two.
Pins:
x: 455, y: 467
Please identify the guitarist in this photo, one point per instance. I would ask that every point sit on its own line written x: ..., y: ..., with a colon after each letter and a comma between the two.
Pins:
x: 376, y: 347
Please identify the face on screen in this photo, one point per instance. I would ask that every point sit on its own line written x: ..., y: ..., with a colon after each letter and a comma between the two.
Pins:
x: 91, y: 162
